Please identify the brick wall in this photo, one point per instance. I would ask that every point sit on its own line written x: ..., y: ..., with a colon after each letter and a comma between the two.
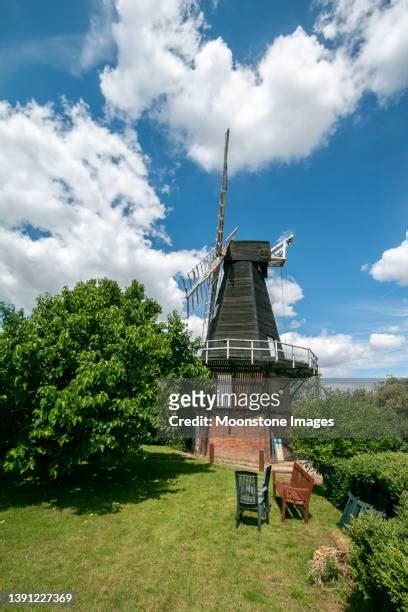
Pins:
x: 239, y: 444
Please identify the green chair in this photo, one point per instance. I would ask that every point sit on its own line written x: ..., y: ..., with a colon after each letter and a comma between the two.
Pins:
x: 265, y: 485
x: 354, y: 507
x: 248, y: 496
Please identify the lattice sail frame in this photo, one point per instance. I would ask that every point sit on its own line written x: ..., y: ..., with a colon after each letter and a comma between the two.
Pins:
x: 199, y: 280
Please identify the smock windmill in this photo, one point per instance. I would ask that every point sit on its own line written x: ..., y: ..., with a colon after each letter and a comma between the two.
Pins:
x: 239, y: 329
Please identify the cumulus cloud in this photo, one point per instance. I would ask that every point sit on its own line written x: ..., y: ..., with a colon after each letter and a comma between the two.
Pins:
x: 284, y: 293
x: 75, y: 203
x: 393, y: 264
x: 342, y: 355
x: 280, y: 108
x: 195, y: 325
x: 331, y: 349
x: 377, y: 31
x: 386, y: 340
x: 156, y: 42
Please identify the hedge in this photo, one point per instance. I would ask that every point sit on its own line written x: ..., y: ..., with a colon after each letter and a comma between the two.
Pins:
x: 376, y: 478
x: 378, y: 557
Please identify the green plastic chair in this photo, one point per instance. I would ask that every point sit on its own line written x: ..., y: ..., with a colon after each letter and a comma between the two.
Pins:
x: 248, y: 496
x: 354, y: 507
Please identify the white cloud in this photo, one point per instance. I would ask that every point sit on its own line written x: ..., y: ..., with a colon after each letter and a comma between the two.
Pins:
x: 386, y: 340
x: 296, y: 323
x: 393, y: 329
x: 283, y: 107
x: 346, y: 18
x: 377, y: 29
x: 384, y: 57
x: 284, y: 293
x: 195, y: 325
x: 393, y: 264
x: 75, y: 203
x: 342, y: 355
x: 332, y: 349
x: 98, y: 44
x: 156, y: 41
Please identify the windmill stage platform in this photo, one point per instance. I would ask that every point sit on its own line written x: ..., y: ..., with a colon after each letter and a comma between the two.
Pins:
x: 287, y: 360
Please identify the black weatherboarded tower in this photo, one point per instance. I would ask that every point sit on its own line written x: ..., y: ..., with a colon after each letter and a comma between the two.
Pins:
x: 241, y: 343
x: 243, y: 308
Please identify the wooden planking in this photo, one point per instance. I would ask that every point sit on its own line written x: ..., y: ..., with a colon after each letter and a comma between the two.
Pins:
x: 243, y: 307
x: 235, y: 310
x: 249, y: 250
x: 266, y: 322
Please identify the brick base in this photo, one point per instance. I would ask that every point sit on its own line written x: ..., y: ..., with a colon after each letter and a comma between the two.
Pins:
x: 242, y: 445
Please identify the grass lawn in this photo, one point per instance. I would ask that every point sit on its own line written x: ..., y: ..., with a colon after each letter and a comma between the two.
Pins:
x: 159, y: 534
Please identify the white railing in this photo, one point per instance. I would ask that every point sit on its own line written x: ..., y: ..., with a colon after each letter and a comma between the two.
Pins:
x: 255, y: 350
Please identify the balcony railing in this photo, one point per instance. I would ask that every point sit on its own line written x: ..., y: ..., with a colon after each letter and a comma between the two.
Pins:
x: 259, y: 350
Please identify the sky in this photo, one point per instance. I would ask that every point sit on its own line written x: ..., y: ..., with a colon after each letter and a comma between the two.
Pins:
x: 112, y: 121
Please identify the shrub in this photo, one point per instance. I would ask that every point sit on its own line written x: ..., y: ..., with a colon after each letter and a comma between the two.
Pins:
x: 378, y: 557
x: 363, y: 423
x: 377, y: 478
x: 322, y: 452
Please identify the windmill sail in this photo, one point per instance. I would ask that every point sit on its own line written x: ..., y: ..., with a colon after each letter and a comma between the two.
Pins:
x: 201, y: 283
x: 220, y: 234
x: 201, y: 278
x: 223, y: 198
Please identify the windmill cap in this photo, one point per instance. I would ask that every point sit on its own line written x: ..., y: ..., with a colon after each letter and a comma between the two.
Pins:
x: 249, y: 250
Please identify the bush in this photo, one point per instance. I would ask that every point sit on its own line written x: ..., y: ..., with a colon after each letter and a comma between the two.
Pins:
x: 376, y: 478
x: 358, y: 420
x: 322, y: 452
x: 378, y: 557
x: 362, y: 426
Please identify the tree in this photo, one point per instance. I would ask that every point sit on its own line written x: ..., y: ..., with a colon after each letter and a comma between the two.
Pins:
x: 80, y: 375
x: 18, y: 375
x: 361, y: 425
x: 393, y: 393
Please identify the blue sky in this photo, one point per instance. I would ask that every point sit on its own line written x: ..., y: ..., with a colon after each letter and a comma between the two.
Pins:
x: 335, y: 175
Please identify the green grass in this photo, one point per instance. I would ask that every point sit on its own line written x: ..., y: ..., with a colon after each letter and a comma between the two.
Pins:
x: 159, y: 534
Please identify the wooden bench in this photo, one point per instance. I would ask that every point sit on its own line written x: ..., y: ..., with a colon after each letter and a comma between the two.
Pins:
x: 297, y: 491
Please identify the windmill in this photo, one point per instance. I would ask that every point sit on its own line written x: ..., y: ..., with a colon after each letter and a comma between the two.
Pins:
x: 240, y: 337
x: 238, y: 315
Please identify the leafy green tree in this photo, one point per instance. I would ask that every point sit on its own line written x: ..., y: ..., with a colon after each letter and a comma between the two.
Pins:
x: 361, y: 425
x: 393, y: 393
x: 19, y: 373
x: 80, y: 375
